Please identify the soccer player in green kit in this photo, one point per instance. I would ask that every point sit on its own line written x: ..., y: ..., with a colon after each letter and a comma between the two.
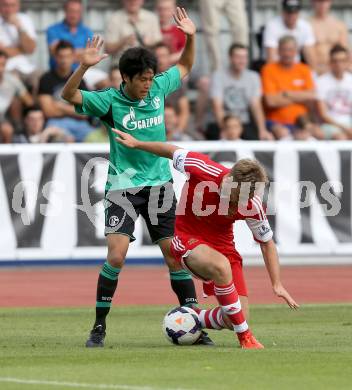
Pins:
x: 135, y: 176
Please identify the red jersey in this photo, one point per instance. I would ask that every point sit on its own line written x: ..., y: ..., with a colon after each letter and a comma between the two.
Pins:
x: 174, y: 38
x: 202, y: 211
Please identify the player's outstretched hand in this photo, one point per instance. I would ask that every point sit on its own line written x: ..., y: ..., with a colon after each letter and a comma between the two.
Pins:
x: 92, y: 55
x: 125, y: 139
x: 281, y: 292
x: 184, y: 23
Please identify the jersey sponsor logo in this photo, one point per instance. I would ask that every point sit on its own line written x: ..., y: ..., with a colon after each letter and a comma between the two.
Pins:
x: 156, y: 102
x: 129, y: 121
x: 114, y: 221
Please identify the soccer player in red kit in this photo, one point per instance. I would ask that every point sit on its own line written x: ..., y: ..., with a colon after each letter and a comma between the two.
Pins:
x: 213, y: 198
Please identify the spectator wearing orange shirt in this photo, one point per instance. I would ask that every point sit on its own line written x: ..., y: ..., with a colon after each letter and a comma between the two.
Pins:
x: 288, y: 90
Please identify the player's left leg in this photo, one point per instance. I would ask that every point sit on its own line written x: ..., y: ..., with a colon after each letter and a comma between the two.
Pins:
x: 159, y: 216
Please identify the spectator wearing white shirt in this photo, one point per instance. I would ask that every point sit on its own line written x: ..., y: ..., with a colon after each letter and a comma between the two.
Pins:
x: 335, y: 96
x: 290, y: 23
x: 10, y: 88
x: 17, y: 37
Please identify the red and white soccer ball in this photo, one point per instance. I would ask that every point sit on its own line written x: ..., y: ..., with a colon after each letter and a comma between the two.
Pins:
x: 181, y: 326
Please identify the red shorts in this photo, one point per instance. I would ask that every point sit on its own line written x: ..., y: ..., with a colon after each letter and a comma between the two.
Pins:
x: 182, y: 246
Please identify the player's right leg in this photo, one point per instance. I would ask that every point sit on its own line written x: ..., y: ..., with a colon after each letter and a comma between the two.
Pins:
x: 107, y: 283
x: 119, y: 226
x: 209, y: 264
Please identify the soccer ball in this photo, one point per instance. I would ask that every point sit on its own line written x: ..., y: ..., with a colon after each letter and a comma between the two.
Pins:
x: 181, y: 326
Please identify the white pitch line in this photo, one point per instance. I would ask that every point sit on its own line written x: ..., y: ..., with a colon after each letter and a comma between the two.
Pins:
x: 80, y: 385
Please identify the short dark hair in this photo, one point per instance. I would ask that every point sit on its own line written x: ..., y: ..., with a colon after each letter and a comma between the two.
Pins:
x: 63, y: 45
x: 228, y: 117
x: 31, y: 109
x: 338, y: 49
x: 236, y: 46
x: 3, y: 54
x: 137, y: 60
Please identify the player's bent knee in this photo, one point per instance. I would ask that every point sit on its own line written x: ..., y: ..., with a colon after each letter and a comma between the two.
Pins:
x: 116, y: 259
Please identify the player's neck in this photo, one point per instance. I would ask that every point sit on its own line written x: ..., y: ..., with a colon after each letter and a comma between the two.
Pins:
x: 129, y: 93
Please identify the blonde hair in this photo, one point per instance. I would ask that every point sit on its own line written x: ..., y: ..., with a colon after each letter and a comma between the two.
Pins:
x: 249, y: 171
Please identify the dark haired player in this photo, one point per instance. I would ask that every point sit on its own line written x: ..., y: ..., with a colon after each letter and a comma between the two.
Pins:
x: 213, y: 198
x: 135, y: 177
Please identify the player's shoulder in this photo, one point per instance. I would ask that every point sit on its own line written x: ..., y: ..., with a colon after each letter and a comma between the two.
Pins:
x: 171, y: 72
x: 204, y: 163
x: 107, y: 92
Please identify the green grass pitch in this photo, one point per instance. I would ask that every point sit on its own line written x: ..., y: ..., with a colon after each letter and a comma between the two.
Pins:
x: 307, y: 349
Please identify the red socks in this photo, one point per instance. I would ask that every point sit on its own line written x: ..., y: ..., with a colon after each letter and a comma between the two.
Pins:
x: 229, y: 301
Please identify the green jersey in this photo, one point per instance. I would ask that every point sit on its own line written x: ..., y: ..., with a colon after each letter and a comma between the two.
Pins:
x: 144, y: 119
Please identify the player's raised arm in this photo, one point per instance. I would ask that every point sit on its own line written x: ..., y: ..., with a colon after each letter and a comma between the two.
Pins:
x: 161, y: 149
x: 185, y: 24
x: 272, y: 264
x: 90, y: 57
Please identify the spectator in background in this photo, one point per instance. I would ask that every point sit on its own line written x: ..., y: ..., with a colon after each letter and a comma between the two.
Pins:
x: 177, y: 99
x: 231, y: 128
x: 288, y: 90
x: 328, y: 32
x: 17, y: 38
x: 115, y: 77
x: 335, y: 96
x: 173, y: 37
x: 306, y: 129
x: 290, y: 23
x: 59, y: 113
x: 131, y: 26
x: 10, y: 87
x: 98, y: 136
x: 172, y: 125
x: 237, y: 91
x: 211, y: 11
x: 36, y: 131
x: 72, y: 30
